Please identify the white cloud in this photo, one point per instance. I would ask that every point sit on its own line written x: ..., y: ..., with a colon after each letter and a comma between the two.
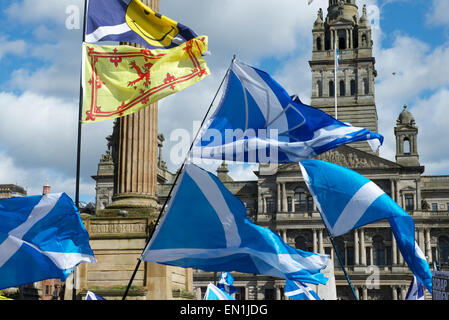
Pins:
x: 438, y: 16
x: 15, y: 47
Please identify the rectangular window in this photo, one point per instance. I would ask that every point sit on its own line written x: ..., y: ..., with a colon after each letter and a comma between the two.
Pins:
x: 240, y: 294
x: 269, y: 294
x: 409, y: 202
x: 434, y: 207
x: 270, y: 205
x: 448, y: 207
x: 289, y: 204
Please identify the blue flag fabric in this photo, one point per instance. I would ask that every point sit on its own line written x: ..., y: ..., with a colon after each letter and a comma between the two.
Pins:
x: 348, y: 200
x: 297, y: 290
x: 214, y: 293
x: 257, y: 121
x: 226, y: 283
x: 93, y: 296
x: 41, y: 237
x: 205, y: 227
x: 132, y: 21
x: 415, y: 291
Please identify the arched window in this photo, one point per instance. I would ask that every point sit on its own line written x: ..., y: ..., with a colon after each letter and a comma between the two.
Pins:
x: 443, y: 250
x: 342, y: 88
x: 353, y: 88
x: 319, y: 88
x: 406, y: 146
x: 331, y: 89
x: 318, y: 44
x: 378, y: 251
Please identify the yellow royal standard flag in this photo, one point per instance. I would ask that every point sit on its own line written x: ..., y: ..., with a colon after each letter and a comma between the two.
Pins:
x: 119, y: 80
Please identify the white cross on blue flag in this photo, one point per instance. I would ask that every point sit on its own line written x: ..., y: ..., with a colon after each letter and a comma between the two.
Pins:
x: 205, y: 227
x: 297, y: 290
x: 348, y: 200
x: 226, y: 283
x: 415, y: 291
x: 258, y: 121
x: 214, y: 293
x: 41, y: 237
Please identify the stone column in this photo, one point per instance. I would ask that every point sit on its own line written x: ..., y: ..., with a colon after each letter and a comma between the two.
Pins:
x: 365, y: 293
x: 314, y: 240
x: 394, y: 251
x: 278, y: 292
x: 428, y: 246
x: 284, y: 235
x: 320, y: 241
x: 284, y: 199
x: 279, y: 196
x: 136, y: 143
x: 394, y: 292
x: 356, y: 247
x: 362, y: 246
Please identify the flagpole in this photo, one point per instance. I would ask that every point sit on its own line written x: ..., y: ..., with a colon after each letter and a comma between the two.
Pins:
x: 173, y: 184
x: 335, y: 78
x: 340, y: 261
x: 78, y: 153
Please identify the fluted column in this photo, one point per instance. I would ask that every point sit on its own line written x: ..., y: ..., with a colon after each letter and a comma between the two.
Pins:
x: 135, y: 140
x: 428, y: 246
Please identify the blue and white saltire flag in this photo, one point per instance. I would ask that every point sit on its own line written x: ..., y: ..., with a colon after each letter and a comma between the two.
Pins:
x: 93, y: 296
x: 132, y: 21
x: 257, y: 121
x: 226, y: 283
x: 347, y: 200
x: 415, y: 291
x: 214, y: 293
x: 297, y: 290
x: 337, y: 59
x: 205, y: 227
x: 41, y: 237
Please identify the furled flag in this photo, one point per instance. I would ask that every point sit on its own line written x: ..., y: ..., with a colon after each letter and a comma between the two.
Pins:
x: 132, y: 21
x: 415, y: 291
x: 226, y: 283
x: 41, y: 237
x: 257, y: 121
x: 337, y: 59
x: 297, y: 290
x: 119, y: 80
x: 347, y: 200
x: 214, y: 293
x: 93, y: 296
x: 205, y: 227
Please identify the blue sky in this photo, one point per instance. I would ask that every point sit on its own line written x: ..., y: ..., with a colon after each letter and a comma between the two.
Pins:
x: 40, y: 63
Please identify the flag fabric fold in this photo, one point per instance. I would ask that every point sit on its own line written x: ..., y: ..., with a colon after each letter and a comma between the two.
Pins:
x: 119, y: 80
x: 205, y: 227
x: 348, y: 200
x: 132, y: 21
x: 415, y: 291
x: 41, y: 237
x: 215, y: 293
x: 258, y: 121
x: 226, y: 283
x: 297, y: 290
x: 93, y: 296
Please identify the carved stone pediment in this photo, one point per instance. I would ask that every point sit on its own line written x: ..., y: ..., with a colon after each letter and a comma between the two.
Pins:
x: 352, y: 158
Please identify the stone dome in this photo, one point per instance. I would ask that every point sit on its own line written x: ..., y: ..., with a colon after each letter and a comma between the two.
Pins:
x: 406, y: 117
